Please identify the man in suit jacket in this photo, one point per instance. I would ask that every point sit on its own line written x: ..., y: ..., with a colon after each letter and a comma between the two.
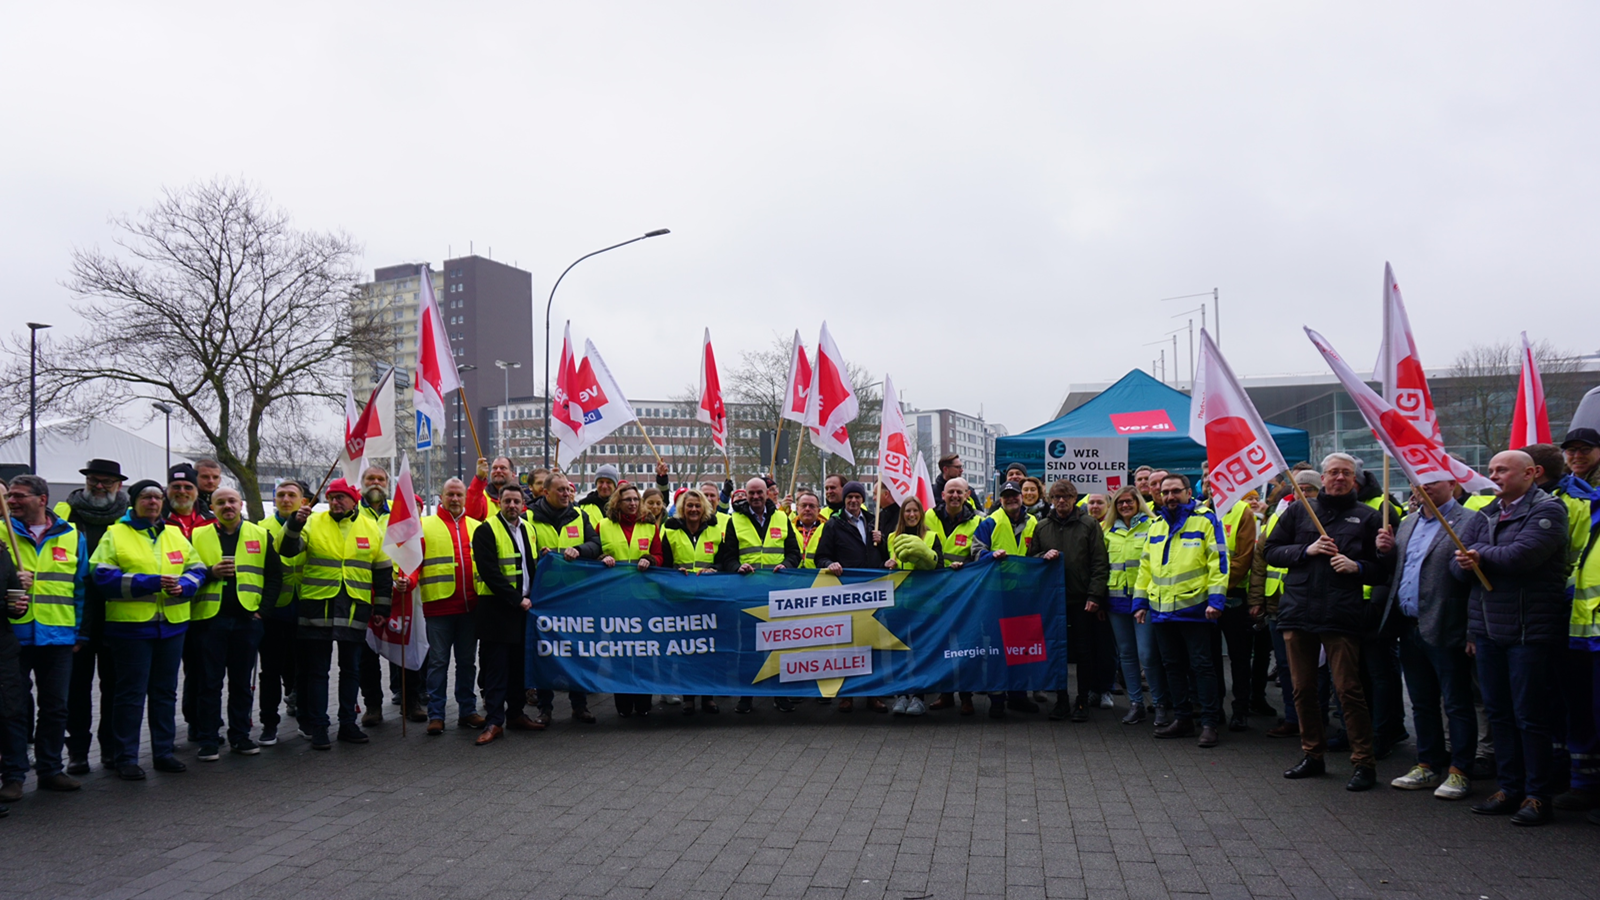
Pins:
x: 1427, y: 608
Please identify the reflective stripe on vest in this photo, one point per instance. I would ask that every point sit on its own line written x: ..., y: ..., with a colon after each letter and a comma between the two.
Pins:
x: 1274, y: 585
x: 441, y: 559
x: 764, y: 548
x: 340, y: 555
x: 1004, y: 536
x: 1180, y: 564
x: 52, y: 601
x: 136, y: 554
x: 615, y: 544
x: 290, y: 568
x: 505, y: 551
x: 1124, y: 546
x: 249, y: 563
x: 1230, y: 524
x: 957, y: 544
x: 551, y: 537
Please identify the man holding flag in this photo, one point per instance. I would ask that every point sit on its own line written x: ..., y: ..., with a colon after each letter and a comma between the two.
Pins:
x: 395, y: 631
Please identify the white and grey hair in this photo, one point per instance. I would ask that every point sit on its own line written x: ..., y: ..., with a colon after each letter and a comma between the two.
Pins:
x: 1341, y: 457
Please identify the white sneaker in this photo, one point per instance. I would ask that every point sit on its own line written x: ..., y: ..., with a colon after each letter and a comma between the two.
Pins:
x: 916, y: 707
x: 1455, y: 787
x: 672, y: 699
x: 1106, y: 702
x: 1419, y: 778
x: 901, y: 701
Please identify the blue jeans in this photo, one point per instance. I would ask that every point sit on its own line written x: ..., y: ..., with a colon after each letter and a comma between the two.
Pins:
x: 146, y: 668
x: 1435, y: 675
x: 1191, y: 672
x: 1136, y: 648
x: 311, y: 691
x: 228, y: 647
x: 459, y: 635
x: 1518, y: 681
x: 51, y: 669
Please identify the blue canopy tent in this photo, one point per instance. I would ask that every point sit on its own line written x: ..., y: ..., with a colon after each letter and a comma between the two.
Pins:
x: 1154, y: 418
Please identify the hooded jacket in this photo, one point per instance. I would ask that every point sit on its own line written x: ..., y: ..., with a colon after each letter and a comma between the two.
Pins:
x: 1524, y: 557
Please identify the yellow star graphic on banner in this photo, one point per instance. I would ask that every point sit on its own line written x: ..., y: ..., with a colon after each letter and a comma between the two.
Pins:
x: 865, y: 629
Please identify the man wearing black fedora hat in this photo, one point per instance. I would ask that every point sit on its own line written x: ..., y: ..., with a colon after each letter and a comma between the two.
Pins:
x: 91, y: 509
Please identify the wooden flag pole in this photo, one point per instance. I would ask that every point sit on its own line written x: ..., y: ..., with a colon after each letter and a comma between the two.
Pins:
x: 647, y: 440
x: 794, y: 471
x: 471, y: 426
x: 1383, y: 508
x: 776, y: 437
x: 1307, y: 503
x: 326, y: 478
x: 1482, y: 578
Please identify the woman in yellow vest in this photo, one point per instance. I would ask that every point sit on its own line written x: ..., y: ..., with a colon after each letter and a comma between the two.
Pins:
x: 1127, y: 530
x: 697, y: 542
x: 912, y: 546
x: 625, y: 536
x: 148, y: 573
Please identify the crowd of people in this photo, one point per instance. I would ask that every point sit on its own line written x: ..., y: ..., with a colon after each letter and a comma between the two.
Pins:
x: 1325, y: 593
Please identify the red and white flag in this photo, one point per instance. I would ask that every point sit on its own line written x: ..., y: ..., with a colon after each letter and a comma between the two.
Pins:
x: 400, y: 637
x: 895, y: 463
x: 605, y: 409
x: 798, y: 389
x: 924, y: 486
x: 1530, y: 421
x: 1419, y: 456
x: 435, y: 376
x: 369, y: 433
x: 1240, y: 452
x: 832, y: 404
x: 1399, y: 367
x: 712, y: 410
x: 566, y: 416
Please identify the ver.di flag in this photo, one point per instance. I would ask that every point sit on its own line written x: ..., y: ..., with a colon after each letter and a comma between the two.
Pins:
x: 1399, y: 367
x: 894, y: 449
x: 1240, y: 452
x: 435, y: 376
x: 1530, y: 421
x: 400, y: 637
x: 1422, y: 459
x: 566, y: 417
x: 712, y: 410
x: 369, y: 433
x: 832, y: 405
x: 605, y: 408
x: 924, y: 486
x: 797, y: 390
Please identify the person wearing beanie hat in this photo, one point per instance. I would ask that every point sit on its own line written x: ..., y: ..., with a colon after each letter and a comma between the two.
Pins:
x: 148, y: 572
x: 850, y: 541
x: 346, y: 574
x: 593, y: 505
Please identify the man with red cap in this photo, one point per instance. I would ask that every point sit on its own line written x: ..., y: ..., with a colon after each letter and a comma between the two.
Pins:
x: 345, y: 570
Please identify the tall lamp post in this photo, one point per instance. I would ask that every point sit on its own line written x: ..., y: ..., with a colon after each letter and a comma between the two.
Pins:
x: 33, y: 393
x: 649, y: 234
x: 460, y: 425
x: 166, y: 410
x: 505, y: 411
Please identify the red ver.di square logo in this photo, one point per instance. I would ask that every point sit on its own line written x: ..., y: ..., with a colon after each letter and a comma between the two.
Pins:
x: 1023, y: 637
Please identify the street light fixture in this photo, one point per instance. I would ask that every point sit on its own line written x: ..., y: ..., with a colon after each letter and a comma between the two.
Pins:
x: 505, y: 411
x: 648, y: 234
x: 166, y: 410
x: 33, y: 395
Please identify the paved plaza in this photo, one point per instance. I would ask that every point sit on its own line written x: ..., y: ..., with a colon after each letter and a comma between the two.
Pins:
x: 813, y: 804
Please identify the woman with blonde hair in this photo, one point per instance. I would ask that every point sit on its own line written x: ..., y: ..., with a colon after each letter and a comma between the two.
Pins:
x: 1127, y: 530
x: 912, y: 546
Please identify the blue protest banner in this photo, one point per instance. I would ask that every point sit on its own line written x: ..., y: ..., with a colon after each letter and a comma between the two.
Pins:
x: 990, y: 626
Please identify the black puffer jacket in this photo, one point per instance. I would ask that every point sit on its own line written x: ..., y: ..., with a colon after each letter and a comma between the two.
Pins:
x: 1523, y: 556
x: 1315, y: 597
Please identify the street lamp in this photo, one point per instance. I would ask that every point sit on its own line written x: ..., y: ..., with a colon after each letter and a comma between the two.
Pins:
x: 33, y: 394
x: 648, y: 234
x: 505, y: 411
x: 166, y: 411
x: 461, y: 426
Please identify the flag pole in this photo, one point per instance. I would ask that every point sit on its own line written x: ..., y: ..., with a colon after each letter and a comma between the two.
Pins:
x: 794, y: 471
x: 326, y: 478
x: 1383, y: 508
x: 470, y: 425
x: 647, y: 440
x: 776, y: 437
x: 1307, y: 503
x: 1482, y: 578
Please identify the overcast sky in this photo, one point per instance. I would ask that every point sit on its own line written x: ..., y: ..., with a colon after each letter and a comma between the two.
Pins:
x: 985, y: 200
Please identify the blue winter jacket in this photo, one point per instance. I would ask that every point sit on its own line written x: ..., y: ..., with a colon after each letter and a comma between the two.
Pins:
x: 1524, y: 558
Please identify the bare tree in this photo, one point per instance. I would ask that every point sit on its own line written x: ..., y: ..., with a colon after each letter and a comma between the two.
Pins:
x: 1475, y: 408
x: 215, y: 304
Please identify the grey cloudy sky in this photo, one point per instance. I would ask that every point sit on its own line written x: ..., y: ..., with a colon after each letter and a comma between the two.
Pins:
x: 985, y: 200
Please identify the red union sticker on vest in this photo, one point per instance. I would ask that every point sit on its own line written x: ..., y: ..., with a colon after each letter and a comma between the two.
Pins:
x: 363, y: 544
x: 1023, y: 637
x: 252, y: 546
x: 644, y: 543
x: 59, y: 554
x: 814, y: 664
x: 710, y: 547
x: 959, y: 540
x: 175, y: 556
x: 775, y: 532
x: 1144, y: 422
x: 572, y: 531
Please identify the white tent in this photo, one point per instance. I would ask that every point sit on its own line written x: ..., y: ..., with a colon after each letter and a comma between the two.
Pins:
x: 66, y: 446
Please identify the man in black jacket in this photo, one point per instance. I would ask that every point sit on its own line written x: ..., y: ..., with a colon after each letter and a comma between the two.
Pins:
x: 1075, y: 537
x: 1323, y: 609
x: 1517, y: 631
x: 91, y: 509
x: 850, y: 542
x: 502, y: 615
